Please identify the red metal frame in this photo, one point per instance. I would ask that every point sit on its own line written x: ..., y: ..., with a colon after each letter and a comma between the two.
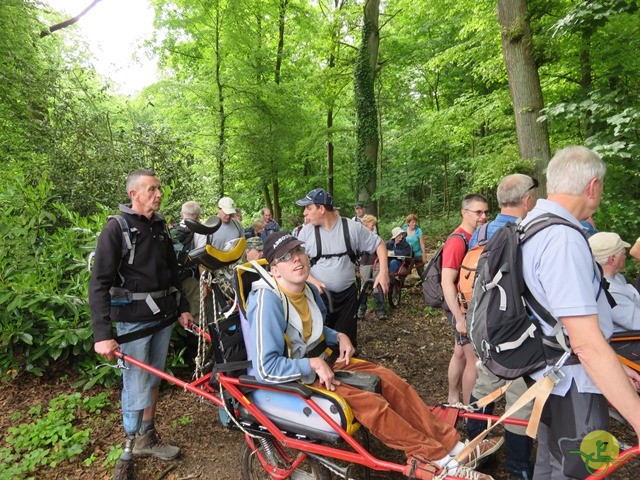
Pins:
x: 359, y: 455
x: 632, y: 337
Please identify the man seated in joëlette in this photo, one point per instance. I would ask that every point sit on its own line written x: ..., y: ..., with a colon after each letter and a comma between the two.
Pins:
x: 398, y: 417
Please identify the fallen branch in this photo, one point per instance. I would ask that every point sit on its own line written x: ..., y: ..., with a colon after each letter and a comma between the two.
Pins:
x: 168, y: 469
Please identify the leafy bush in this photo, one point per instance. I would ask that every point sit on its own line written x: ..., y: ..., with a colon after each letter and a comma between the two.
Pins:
x: 44, y: 278
x: 51, y: 436
x: 44, y: 315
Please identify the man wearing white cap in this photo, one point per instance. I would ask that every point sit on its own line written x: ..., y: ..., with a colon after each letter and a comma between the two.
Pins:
x: 229, y: 230
x: 610, y: 252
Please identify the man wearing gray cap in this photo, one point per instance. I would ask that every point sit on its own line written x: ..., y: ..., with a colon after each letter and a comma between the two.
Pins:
x: 331, y: 243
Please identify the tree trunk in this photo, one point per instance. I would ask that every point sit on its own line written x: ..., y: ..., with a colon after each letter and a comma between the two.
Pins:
x: 366, y: 110
x: 267, y: 196
x: 222, y: 118
x: 524, y: 83
x: 378, y: 203
x: 276, y: 210
x: 335, y: 41
x: 330, y: 147
x: 281, y: 23
x: 586, y: 75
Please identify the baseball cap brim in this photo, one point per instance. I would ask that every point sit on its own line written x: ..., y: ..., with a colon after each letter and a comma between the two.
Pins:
x: 303, y: 202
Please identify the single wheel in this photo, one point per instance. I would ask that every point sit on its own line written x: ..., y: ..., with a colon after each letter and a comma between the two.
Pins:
x: 394, y: 294
x: 252, y: 469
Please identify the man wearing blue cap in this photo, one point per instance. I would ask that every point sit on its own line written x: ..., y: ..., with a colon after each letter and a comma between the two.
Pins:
x: 331, y: 242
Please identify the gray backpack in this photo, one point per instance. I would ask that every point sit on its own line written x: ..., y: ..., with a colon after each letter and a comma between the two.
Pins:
x: 505, y: 334
x: 432, y: 278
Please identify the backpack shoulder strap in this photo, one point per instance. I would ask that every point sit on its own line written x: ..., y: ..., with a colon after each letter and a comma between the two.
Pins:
x: 347, y: 241
x: 528, y: 231
x: 128, y: 240
x: 314, y: 260
x: 239, y: 227
x: 545, y: 221
x: 464, y: 239
x: 483, y: 234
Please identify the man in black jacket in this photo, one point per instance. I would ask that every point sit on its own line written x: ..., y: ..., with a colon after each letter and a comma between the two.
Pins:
x: 135, y: 283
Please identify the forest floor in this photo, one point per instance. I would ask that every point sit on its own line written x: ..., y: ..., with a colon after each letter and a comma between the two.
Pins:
x: 414, y: 343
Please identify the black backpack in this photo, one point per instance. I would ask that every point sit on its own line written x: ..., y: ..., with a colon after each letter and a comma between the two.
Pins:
x: 182, y: 239
x: 504, y: 333
x: 432, y: 277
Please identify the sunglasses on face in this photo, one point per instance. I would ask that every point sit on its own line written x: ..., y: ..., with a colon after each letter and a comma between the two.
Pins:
x: 479, y: 213
x: 289, y: 255
x: 535, y: 184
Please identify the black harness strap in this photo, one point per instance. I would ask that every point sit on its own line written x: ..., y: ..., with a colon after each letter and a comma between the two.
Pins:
x: 130, y: 337
x: 318, y: 350
x: 347, y: 242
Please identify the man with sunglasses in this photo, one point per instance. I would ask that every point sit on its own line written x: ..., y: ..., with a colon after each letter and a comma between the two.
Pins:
x: 462, y: 366
x: 517, y: 195
x: 397, y: 416
x: 332, y: 242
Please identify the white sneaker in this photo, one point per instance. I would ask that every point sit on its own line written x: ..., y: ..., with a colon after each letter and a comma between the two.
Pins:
x: 469, y: 474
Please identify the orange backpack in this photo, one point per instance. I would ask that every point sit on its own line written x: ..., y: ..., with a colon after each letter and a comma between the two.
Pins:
x: 468, y: 269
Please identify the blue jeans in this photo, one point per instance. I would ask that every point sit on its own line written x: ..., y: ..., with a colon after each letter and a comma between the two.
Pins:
x: 394, y: 265
x: 137, y: 384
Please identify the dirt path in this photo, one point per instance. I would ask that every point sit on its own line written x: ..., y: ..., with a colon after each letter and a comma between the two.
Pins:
x: 417, y: 346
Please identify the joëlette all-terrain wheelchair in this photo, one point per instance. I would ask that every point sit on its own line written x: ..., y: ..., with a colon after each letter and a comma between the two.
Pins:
x: 396, y: 279
x: 291, y: 430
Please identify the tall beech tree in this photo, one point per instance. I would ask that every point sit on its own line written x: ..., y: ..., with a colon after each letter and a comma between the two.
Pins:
x: 365, y: 103
x: 524, y: 83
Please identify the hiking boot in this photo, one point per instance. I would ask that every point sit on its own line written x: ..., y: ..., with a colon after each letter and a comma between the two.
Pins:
x: 150, y: 445
x: 361, y: 314
x: 123, y: 470
x: 484, y: 449
x: 470, y: 474
x: 381, y: 315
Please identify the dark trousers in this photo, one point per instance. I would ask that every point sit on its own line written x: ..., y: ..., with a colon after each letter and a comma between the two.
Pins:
x: 564, y: 423
x: 344, y: 317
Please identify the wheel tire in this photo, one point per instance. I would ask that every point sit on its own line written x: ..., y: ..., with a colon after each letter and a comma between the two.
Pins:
x: 252, y: 468
x: 394, y: 294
